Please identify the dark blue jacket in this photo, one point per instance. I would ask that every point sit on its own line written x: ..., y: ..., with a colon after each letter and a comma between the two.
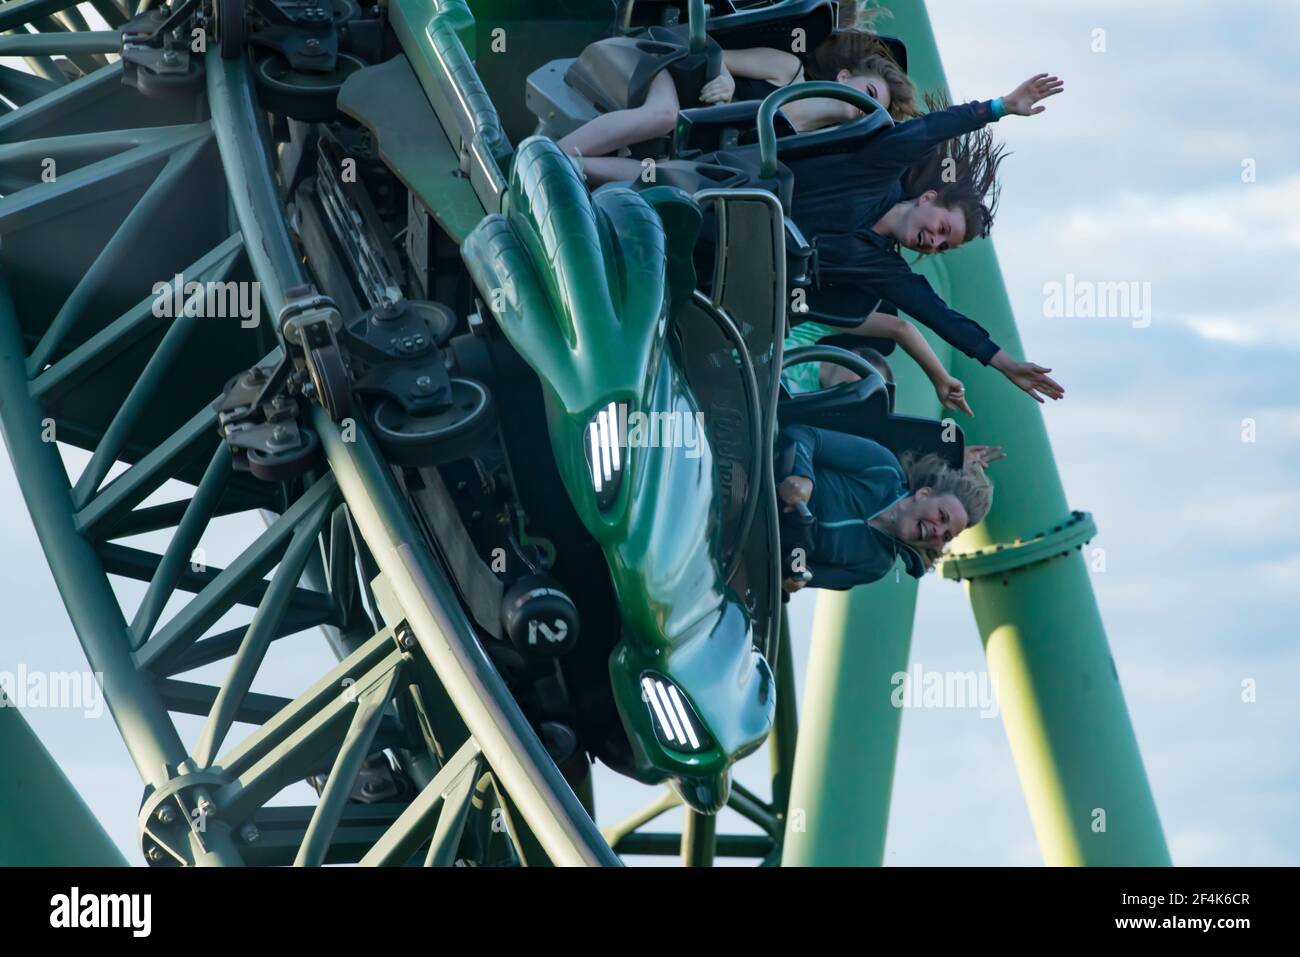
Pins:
x: 838, y: 199
x: 854, y: 479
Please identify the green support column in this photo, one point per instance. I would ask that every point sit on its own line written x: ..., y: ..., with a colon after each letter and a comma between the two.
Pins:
x: 1058, y: 690
x: 848, y: 728
x: 43, y: 820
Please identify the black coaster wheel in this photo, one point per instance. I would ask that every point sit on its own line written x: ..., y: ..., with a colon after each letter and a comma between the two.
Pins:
x: 229, y: 17
x: 282, y: 466
x: 330, y: 377
x: 344, y: 11
x: 440, y: 436
x: 302, y: 95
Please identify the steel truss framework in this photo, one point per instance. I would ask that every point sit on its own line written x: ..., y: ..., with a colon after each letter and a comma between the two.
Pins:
x: 154, y: 192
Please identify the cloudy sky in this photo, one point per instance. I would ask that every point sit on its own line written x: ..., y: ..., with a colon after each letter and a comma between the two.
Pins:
x: 1135, y: 174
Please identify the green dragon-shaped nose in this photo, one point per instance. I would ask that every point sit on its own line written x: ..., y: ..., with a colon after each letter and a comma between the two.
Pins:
x: 583, y: 286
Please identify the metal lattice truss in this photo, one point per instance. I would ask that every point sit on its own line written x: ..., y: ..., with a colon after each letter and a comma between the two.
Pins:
x: 105, y: 193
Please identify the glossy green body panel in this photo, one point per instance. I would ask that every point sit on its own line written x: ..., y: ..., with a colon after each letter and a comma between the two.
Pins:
x: 579, y: 285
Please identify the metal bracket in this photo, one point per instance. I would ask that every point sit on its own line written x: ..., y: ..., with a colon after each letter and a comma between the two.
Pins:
x: 180, y: 810
x: 309, y: 324
x: 305, y: 307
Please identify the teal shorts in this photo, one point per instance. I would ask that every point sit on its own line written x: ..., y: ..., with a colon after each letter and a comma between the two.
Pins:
x: 806, y: 376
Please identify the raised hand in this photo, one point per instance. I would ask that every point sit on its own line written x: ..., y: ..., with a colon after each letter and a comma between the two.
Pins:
x: 982, y: 456
x: 1021, y: 100
x: 1032, y: 378
x: 952, y: 395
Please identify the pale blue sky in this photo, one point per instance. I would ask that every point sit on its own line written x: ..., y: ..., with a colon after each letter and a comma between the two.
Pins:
x: 1133, y: 174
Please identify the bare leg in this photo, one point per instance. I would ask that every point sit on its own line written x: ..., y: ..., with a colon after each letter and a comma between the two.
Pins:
x: 600, y: 170
x: 832, y: 374
x: 610, y: 132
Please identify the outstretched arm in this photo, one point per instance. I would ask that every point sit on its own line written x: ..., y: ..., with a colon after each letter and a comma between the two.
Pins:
x: 1023, y: 100
x: 951, y: 392
x: 1028, y: 376
x: 910, y: 141
x: 891, y: 279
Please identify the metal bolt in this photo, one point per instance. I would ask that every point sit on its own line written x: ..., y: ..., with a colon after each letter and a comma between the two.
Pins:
x: 405, y: 637
x: 166, y: 814
x: 153, y: 853
x: 205, y: 805
x: 423, y: 385
x: 279, y: 434
x: 169, y: 57
x: 249, y: 833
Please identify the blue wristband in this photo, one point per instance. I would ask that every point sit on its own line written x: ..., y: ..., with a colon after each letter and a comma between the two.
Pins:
x: 999, y: 109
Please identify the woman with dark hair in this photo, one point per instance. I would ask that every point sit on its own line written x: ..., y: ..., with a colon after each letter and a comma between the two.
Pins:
x: 927, y: 184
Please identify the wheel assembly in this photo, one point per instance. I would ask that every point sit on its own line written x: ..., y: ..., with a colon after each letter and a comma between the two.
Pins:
x: 443, y: 434
x: 154, y: 63
x: 301, y: 94
x: 229, y: 16
x: 309, y: 323
x: 282, y: 466
x: 330, y: 378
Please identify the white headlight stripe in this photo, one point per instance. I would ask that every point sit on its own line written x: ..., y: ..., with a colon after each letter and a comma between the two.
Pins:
x: 672, y: 714
x: 648, y: 687
x: 617, y: 438
x: 602, y: 421
x: 595, y: 456
x: 686, y: 718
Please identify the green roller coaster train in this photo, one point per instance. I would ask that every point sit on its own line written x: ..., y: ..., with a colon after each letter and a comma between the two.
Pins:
x: 322, y: 262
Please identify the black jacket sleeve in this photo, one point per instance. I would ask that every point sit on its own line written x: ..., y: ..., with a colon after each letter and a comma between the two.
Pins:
x: 800, y: 442
x: 910, y: 140
x: 821, y: 448
x: 890, y: 278
x: 833, y: 576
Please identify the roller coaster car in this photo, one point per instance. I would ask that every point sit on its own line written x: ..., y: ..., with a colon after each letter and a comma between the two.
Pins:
x: 584, y: 434
x: 630, y: 484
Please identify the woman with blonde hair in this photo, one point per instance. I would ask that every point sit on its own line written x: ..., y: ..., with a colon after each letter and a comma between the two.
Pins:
x: 869, y: 509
